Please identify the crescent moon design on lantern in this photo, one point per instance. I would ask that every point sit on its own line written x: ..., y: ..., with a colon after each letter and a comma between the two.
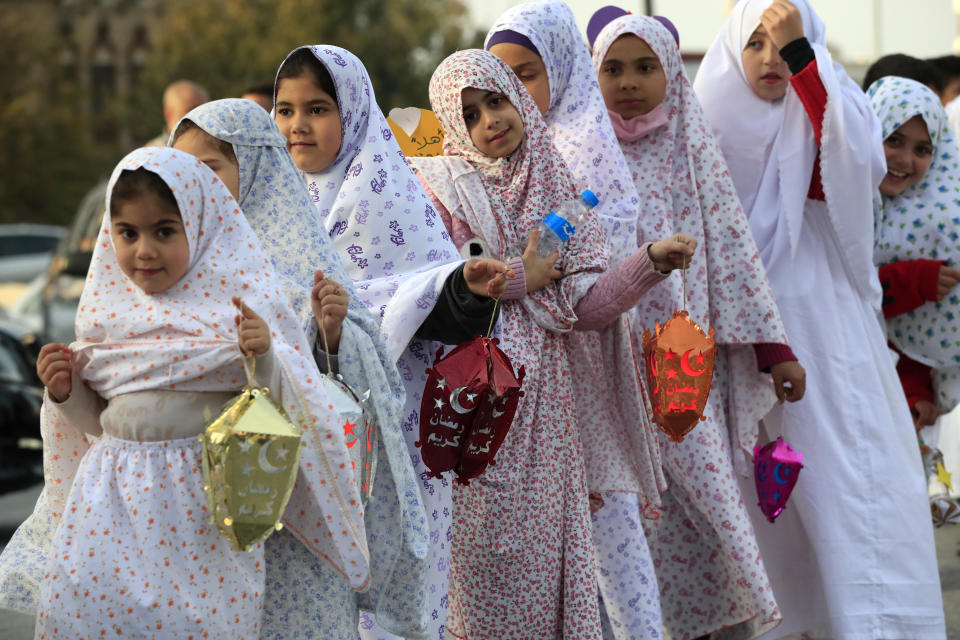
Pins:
x: 455, y: 401
x: 776, y: 474
x: 762, y: 471
x: 687, y: 369
x: 262, y: 461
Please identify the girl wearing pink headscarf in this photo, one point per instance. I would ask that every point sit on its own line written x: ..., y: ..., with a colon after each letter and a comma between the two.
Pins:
x: 682, y: 179
x: 523, y: 556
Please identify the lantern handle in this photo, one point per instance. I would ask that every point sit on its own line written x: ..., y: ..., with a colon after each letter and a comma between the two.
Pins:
x: 326, y: 346
x: 252, y: 358
x: 493, y: 314
x: 683, y: 279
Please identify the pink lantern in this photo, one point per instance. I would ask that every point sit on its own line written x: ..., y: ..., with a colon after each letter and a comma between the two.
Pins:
x: 776, y: 467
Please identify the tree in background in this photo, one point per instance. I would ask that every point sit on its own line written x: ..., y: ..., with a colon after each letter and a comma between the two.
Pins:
x: 56, y: 145
x: 226, y: 45
x: 47, y: 162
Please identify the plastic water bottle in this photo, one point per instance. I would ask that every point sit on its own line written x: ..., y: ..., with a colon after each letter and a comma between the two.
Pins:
x: 560, y: 225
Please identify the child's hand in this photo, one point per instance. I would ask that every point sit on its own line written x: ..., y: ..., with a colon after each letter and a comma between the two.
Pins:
x: 253, y: 334
x: 789, y: 373
x: 329, y: 302
x: 539, y: 271
x: 55, y: 367
x: 925, y: 414
x: 487, y: 277
x: 673, y: 253
x: 783, y: 23
x: 947, y: 280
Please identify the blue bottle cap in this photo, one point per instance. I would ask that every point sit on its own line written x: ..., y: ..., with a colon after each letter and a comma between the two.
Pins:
x: 559, y: 226
x: 590, y: 198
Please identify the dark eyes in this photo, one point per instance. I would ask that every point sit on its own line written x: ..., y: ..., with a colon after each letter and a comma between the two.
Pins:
x: 315, y: 110
x: 896, y: 141
x: 162, y: 233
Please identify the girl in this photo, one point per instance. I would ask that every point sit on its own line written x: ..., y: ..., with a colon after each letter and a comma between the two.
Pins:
x: 523, y: 556
x: 241, y: 143
x: 916, y: 221
x: 917, y: 234
x: 541, y: 44
x: 401, y: 260
x: 682, y: 177
x: 134, y: 549
x: 803, y: 148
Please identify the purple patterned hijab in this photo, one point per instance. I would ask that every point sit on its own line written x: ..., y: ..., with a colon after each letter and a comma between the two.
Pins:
x: 379, y: 218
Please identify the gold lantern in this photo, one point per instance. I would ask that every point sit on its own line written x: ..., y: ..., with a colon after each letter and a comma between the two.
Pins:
x: 250, y: 462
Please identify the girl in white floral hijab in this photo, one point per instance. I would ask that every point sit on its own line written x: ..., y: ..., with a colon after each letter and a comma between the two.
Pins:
x: 157, y: 349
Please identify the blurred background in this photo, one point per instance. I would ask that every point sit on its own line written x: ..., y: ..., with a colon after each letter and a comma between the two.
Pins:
x: 83, y: 83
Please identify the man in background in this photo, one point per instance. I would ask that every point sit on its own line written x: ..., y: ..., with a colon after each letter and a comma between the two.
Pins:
x: 179, y: 98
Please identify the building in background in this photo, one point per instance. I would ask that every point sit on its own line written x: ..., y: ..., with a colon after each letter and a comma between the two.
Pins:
x: 103, y: 47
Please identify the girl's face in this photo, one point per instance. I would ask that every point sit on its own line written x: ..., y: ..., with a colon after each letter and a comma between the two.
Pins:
x: 310, y: 120
x: 631, y: 78
x: 495, y: 126
x: 529, y: 68
x: 766, y: 71
x: 909, y: 152
x: 207, y: 150
x: 150, y: 242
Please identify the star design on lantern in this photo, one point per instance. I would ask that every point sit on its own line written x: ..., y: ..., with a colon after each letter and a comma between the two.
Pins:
x: 245, y: 445
x: 669, y: 355
x: 471, y: 397
x: 348, y: 428
x: 246, y: 470
x: 282, y: 454
x: 672, y: 374
x: 700, y: 359
x: 441, y: 383
x: 438, y: 403
x: 944, y: 476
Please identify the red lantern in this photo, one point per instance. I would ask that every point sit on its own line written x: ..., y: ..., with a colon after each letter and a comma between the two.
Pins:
x: 468, y: 405
x: 679, y: 357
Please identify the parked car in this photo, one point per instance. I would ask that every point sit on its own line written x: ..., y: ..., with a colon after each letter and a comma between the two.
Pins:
x: 21, y: 393
x: 68, y: 269
x: 26, y: 249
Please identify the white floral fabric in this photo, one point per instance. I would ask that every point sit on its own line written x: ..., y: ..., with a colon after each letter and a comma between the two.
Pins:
x: 180, y: 340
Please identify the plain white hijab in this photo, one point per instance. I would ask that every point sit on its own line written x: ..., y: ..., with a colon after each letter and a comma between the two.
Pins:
x: 770, y: 148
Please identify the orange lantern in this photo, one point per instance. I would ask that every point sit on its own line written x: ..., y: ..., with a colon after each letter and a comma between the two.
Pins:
x: 679, y: 357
